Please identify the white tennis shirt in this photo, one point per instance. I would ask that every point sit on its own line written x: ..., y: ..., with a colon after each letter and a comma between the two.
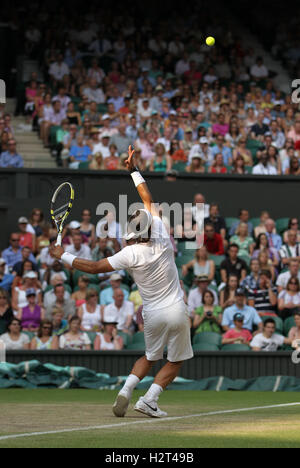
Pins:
x: 152, y: 266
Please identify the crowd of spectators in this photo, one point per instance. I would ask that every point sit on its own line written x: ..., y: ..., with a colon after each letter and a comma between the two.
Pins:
x: 112, y: 80
x: 242, y: 284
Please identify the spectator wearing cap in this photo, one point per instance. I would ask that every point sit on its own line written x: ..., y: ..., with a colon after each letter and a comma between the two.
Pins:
x: 264, y: 299
x: 6, y: 279
x: 203, y: 150
x: 27, y: 239
x: 31, y: 315
x: 102, y: 146
x: 208, y: 318
x: 268, y: 340
x: 19, y: 298
x: 6, y: 312
x: 195, y: 297
x: 213, y: 241
x: 121, y: 140
x: 74, y: 228
x: 251, y: 317
x: 244, y: 217
x: 109, y: 340
x: 238, y: 334
x: 106, y: 296
x: 120, y: 311
x: 11, y: 158
x: 59, y: 298
x: 197, y: 165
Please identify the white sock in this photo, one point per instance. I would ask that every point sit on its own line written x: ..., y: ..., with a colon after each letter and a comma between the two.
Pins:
x: 153, y: 393
x: 130, y: 385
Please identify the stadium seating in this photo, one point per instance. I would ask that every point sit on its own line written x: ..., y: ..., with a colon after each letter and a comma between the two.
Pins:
x: 279, y: 323
x: 205, y: 347
x: 208, y: 338
x: 288, y: 324
x: 235, y: 347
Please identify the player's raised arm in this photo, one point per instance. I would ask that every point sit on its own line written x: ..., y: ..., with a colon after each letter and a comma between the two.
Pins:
x: 140, y: 183
x: 87, y: 266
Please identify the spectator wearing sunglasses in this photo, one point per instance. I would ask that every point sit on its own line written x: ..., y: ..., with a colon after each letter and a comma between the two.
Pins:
x: 45, y: 340
x: 289, y: 299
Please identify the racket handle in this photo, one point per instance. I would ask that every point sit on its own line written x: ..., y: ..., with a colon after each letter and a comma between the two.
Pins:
x: 59, y: 240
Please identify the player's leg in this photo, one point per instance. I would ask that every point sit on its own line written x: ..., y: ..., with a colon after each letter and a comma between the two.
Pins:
x: 179, y: 350
x: 141, y: 368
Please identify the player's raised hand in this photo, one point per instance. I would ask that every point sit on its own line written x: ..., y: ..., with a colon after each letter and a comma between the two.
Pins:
x: 130, y: 161
x: 56, y: 251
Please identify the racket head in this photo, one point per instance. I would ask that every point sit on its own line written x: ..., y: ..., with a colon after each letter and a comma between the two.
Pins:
x: 61, y: 204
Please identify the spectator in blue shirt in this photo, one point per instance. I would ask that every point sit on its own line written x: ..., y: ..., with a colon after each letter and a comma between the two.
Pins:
x: 11, y: 158
x: 250, y: 315
x: 275, y: 240
x: 225, y: 150
x: 6, y: 279
x: 13, y: 254
x: 243, y: 218
x: 79, y: 153
x: 107, y: 295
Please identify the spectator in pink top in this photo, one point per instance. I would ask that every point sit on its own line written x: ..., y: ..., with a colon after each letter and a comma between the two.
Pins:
x: 220, y: 128
x: 237, y: 335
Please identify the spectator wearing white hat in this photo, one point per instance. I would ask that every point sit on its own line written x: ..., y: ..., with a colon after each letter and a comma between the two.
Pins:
x: 203, y: 150
x: 74, y: 228
x: 106, y: 127
x: 107, y: 295
x: 103, y: 146
x: 27, y: 239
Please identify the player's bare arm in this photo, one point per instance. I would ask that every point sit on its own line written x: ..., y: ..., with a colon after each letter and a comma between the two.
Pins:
x: 142, y: 188
x: 87, y: 266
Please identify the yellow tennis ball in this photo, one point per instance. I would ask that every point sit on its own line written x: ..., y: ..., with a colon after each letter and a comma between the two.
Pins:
x: 210, y: 41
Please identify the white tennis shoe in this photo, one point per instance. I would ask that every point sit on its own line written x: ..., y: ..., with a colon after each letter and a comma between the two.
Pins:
x: 121, y: 405
x: 150, y: 409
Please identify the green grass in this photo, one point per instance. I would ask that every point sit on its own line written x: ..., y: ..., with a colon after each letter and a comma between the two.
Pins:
x: 27, y: 411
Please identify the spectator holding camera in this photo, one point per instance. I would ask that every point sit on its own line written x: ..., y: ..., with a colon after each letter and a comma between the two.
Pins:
x: 208, y: 317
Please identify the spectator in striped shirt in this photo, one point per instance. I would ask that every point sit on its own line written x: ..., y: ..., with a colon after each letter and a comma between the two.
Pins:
x: 264, y: 299
x: 291, y: 250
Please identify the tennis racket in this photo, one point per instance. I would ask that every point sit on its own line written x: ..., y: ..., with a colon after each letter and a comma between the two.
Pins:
x: 61, y: 205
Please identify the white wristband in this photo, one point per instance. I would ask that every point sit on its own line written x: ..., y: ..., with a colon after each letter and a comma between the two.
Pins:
x: 137, y: 178
x: 68, y: 258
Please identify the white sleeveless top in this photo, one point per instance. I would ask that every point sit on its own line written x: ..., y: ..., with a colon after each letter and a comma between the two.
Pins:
x: 90, y: 320
x: 104, y: 346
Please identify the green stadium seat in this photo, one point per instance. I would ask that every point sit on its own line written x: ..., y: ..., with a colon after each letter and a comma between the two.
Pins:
x: 30, y: 335
x: 92, y: 278
x: 248, y: 169
x: 127, y: 339
x: 205, y: 347
x: 84, y: 166
x: 208, y: 338
x: 138, y: 337
x: 179, y: 166
x: 229, y: 169
x: 230, y: 221
x: 282, y: 225
x: 217, y: 259
x: 288, y: 324
x: 53, y: 132
x: 136, y: 347
x: 92, y: 337
x: 279, y: 323
x: 235, y: 348
x: 255, y: 222
x: 102, y: 108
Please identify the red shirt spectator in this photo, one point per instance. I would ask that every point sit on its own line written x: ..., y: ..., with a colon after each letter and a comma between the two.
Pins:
x: 212, y: 241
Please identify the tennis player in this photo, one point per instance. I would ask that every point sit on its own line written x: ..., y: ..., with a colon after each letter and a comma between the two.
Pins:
x: 150, y: 260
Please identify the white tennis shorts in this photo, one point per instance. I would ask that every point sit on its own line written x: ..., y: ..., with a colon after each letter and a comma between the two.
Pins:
x: 168, y: 327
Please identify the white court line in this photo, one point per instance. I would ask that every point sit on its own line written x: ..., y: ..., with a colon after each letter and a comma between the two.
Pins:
x: 144, y: 421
